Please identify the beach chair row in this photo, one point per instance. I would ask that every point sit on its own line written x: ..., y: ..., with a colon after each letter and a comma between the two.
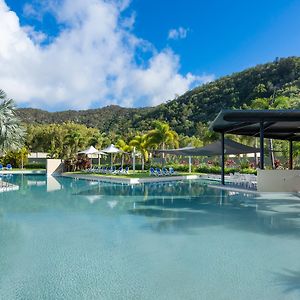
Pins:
x: 108, y: 170
x: 162, y: 172
x: 7, y: 168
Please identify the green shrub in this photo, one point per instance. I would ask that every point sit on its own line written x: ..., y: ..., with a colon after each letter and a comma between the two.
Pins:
x: 249, y: 171
x: 35, y: 166
x: 15, y: 158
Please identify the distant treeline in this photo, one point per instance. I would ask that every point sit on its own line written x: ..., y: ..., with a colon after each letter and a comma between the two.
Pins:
x: 187, y: 113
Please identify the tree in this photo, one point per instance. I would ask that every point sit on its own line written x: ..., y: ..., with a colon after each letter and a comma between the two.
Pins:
x: 98, y: 140
x: 280, y: 102
x: 122, y: 145
x: 141, y: 144
x: 11, y: 131
x: 162, y: 136
x: 74, y: 140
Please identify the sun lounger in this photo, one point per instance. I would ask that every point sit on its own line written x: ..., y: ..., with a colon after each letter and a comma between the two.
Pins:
x: 152, y: 172
x: 126, y: 171
x: 165, y: 172
x: 172, y: 171
x: 159, y: 172
x: 8, y: 167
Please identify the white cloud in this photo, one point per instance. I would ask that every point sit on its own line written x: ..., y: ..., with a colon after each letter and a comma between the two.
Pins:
x: 176, y: 34
x: 92, y: 62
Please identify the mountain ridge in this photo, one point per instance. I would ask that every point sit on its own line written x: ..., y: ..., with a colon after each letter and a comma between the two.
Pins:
x: 199, y: 105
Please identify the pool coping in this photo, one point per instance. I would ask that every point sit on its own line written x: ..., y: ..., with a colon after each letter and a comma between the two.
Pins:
x: 233, y: 189
x: 5, y: 172
x: 131, y: 181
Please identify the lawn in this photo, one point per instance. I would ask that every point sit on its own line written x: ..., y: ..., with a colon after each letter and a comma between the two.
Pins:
x: 137, y: 174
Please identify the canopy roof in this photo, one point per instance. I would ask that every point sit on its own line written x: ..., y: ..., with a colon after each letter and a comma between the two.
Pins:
x: 278, y: 124
x: 91, y: 150
x: 111, y: 149
x: 231, y: 147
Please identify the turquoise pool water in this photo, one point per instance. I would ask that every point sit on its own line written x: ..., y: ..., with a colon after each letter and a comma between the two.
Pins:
x: 74, y: 239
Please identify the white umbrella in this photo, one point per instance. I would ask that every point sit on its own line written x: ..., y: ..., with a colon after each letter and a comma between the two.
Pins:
x: 111, y: 149
x: 92, y: 150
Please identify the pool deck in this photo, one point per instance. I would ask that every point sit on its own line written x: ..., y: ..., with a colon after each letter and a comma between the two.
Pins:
x: 4, y: 172
x: 131, y: 181
x: 232, y: 188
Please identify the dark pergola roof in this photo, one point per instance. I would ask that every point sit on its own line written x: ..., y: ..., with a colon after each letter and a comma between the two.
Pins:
x: 231, y: 147
x: 277, y: 124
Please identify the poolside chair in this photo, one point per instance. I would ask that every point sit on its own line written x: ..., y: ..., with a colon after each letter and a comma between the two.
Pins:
x: 1, y: 167
x: 9, y: 167
x: 152, y: 172
x: 172, y: 171
x: 159, y: 172
x: 114, y: 171
x: 96, y: 170
x: 165, y: 172
x: 126, y: 170
x: 111, y: 170
x: 119, y: 171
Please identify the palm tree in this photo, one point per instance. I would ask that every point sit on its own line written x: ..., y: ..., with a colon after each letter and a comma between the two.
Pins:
x: 141, y: 144
x: 98, y: 140
x: 122, y: 145
x: 162, y: 136
x: 74, y: 140
x: 12, y: 133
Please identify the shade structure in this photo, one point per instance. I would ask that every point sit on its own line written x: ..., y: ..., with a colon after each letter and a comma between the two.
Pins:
x: 277, y: 124
x: 231, y: 147
x: 112, y: 149
x: 176, y: 151
x: 179, y: 151
x: 90, y: 150
x: 272, y: 124
x: 225, y: 146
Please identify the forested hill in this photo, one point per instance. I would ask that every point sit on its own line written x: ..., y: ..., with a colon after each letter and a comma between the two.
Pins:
x: 281, y: 77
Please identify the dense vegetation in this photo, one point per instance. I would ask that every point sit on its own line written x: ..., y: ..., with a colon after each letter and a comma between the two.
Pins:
x: 187, y: 113
x: 180, y: 122
x: 11, y: 132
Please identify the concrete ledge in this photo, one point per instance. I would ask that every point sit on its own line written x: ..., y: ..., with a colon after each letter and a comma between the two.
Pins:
x: 130, y: 181
x: 232, y: 189
x: 24, y: 172
x: 278, y: 181
x: 54, y: 166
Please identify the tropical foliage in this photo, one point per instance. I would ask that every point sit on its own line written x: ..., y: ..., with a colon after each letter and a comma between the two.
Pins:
x: 140, y: 142
x: 11, y: 131
x: 181, y: 122
x: 162, y: 136
x: 189, y: 113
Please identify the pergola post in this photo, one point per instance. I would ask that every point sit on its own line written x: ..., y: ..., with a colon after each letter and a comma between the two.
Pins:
x: 223, y: 159
x: 291, y: 155
x: 262, y: 150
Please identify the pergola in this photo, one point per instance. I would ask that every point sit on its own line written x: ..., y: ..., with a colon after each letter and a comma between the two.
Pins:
x: 230, y: 147
x: 273, y: 124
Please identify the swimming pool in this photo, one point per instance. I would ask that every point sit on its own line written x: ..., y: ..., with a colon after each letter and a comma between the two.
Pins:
x: 74, y: 239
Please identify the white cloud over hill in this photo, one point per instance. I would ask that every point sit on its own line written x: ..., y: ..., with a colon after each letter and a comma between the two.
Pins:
x: 91, y: 62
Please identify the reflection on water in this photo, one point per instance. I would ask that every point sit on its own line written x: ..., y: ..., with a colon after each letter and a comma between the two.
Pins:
x: 182, y: 205
x: 116, y: 229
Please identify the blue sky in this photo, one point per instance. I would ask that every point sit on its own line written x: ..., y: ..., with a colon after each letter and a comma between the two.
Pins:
x: 192, y: 41
x: 224, y: 36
